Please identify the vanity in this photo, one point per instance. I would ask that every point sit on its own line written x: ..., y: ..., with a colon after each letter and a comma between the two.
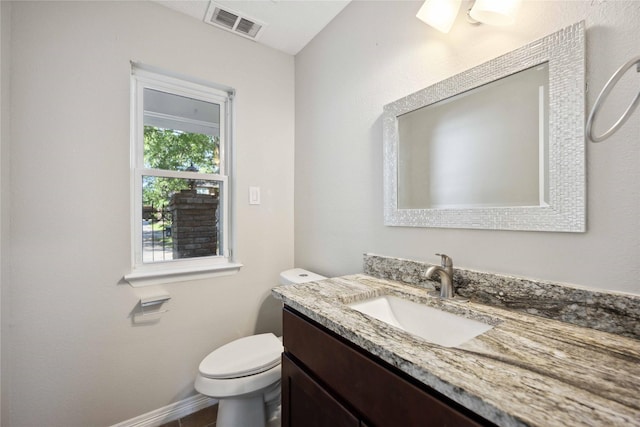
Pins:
x: 342, y: 367
x: 352, y: 387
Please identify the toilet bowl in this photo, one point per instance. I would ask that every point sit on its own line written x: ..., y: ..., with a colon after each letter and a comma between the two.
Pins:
x: 244, y: 375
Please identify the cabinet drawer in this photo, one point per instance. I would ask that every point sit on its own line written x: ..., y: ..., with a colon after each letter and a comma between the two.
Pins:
x: 381, y: 397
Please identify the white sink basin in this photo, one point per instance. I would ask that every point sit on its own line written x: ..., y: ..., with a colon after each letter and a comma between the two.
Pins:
x: 434, y: 325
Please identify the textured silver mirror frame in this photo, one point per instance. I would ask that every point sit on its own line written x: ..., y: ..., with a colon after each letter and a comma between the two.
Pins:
x: 565, y: 52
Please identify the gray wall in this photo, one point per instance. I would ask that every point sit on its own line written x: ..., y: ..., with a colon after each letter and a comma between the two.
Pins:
x: 4, y: 164
x: 71, y: 355
x: 376, y: 52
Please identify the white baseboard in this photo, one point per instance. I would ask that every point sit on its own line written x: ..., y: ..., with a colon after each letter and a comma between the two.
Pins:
x: 170, y: 412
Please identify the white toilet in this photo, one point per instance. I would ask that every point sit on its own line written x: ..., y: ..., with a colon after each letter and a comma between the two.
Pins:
x: 244, y: 375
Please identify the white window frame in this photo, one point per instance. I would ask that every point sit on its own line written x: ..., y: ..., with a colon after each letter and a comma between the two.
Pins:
x: 144, y: 274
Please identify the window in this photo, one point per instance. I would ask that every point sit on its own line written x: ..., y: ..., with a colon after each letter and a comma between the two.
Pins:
x: 181, y: 187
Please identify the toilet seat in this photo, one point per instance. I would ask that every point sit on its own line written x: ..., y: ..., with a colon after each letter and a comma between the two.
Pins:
x: 239, y: 387
x: 243, y: 357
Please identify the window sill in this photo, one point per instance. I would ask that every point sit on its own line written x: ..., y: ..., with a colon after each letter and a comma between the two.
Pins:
x: 151, y: 277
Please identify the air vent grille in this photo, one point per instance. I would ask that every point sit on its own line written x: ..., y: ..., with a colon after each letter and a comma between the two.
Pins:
x: 224, y: 18
x: 248, y: 27
x: 232, y: 21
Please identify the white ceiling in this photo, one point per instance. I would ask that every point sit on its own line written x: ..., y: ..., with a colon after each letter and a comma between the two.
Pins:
x: 290, y: 24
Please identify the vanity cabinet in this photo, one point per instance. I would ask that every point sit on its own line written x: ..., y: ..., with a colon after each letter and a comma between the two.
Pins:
x: 329, y: 382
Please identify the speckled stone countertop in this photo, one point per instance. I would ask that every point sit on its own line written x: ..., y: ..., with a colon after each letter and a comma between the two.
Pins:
x: 525, y: 371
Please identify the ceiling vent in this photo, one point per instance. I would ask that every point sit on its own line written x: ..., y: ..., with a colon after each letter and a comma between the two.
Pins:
x: 230, y: 20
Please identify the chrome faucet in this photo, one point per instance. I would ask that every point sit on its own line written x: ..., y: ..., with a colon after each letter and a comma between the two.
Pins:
x: 445, y: 271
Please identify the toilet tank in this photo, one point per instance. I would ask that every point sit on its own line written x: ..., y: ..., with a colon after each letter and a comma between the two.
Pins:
x: 298, y: 275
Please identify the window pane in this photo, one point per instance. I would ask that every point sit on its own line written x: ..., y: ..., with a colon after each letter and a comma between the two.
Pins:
x: 180, y: 218
x: 180, y: 133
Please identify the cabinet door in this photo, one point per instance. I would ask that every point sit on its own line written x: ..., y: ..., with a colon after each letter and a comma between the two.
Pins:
x: 306, y: 404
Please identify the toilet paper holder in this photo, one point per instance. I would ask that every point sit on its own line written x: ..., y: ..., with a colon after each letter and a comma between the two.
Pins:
x: 153, y: 301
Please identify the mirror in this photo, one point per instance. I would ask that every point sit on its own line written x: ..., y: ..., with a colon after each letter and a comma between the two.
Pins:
x: 500, y: 146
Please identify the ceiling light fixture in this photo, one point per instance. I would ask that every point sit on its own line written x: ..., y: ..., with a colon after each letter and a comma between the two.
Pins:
x: 441, y: 14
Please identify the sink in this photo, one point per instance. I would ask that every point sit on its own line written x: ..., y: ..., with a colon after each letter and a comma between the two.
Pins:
x: 434, y: 325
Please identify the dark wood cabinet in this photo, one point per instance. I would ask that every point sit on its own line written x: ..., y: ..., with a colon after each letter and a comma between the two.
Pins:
x: 329, y: 382
x: 309, y: 404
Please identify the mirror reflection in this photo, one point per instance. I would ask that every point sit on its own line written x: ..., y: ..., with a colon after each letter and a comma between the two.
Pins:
x: 486, y: 147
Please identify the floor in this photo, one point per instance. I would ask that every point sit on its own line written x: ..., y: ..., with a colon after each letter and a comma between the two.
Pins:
x: 203, y: 418
x: 207, y: 418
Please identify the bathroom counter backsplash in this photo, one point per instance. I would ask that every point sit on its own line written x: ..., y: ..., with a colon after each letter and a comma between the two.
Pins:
x: 526, y: 371
x: 612, y: 312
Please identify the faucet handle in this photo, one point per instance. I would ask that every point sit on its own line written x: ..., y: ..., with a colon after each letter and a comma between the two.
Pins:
x: 446, y: 260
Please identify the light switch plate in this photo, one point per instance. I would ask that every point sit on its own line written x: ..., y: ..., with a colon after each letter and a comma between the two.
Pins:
x: 254, y: 195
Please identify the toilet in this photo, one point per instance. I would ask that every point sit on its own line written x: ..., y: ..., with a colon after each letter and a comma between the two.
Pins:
x: 244, y: 375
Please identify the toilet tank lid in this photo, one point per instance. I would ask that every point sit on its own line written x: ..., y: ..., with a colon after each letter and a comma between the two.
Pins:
x: 244, y: 356
x: 298, y: 275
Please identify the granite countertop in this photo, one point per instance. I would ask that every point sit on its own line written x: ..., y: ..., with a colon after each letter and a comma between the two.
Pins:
x: 525, y: 371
